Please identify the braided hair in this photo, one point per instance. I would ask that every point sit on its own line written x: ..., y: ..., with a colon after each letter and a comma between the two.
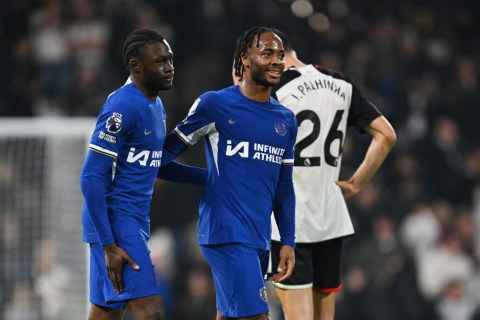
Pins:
x: 246, y: 41
x: 137, y: 40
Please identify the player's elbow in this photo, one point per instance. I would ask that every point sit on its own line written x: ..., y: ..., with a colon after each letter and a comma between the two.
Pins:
x: 89, y: 182
x: 386, y: 137
x: 85, y: 183
x: 390, y: 137
x: 383, y: 132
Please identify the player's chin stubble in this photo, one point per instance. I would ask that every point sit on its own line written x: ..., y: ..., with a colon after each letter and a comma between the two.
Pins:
x: 260, y: 78
x: 156, y: 83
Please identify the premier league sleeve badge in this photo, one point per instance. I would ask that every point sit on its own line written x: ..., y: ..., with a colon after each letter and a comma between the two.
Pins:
x: 114, y: 123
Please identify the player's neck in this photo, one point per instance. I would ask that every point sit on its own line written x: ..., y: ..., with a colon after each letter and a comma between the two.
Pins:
x: 291, y: 60
x: 255, y: 91
x: 150, y: 94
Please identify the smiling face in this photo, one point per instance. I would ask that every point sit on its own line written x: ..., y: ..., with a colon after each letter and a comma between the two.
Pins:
x: 264, y: 61
x: 155, y: 66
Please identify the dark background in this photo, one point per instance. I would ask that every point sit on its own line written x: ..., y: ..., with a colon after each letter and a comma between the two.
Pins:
x: 415, y: 254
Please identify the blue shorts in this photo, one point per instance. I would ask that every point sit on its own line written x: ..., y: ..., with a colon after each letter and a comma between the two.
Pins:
x: 136, y: 284
x: 238, y: 274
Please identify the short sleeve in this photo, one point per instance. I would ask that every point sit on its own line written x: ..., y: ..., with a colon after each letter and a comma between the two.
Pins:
x: 289, y: 157
x: 114, y: 124
x: 362, y: 111
x: 198, y: 122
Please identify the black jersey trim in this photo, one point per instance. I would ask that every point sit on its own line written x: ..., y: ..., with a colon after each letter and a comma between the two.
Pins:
x: 287, y: 76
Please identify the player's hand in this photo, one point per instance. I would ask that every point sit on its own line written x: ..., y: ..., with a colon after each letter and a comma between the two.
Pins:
x: 349, y: 189
x: 286, y: 264
x: 115, y: 258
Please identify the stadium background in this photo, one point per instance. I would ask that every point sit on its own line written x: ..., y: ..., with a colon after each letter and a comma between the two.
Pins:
x: 416, y: 251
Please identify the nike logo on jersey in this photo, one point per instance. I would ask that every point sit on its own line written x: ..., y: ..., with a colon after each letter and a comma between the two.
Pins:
x: 147, y: 132
x: 231, y: 121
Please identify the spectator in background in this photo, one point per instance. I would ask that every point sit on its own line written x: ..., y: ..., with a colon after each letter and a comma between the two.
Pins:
x: 52, y: 58
x: 24, y: 85
x: 420, y: 230
x: 443, y: 264
x: 87, y: 37
x: 454, y: 302
x: 364, y: 207
x: 24, y: 304
x: 162, y: 247
x: 354, y: 302
x: 390, y: 272
x: 446, y: 175
x: 422, y: 56
x: 52, y: 281
x: 200, y: 301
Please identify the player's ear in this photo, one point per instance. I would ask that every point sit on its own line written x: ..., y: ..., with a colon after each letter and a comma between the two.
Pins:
x: 134, y: 65
x: 245, y: 61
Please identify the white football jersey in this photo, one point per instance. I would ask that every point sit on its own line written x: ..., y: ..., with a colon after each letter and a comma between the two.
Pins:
x: 322, y: 103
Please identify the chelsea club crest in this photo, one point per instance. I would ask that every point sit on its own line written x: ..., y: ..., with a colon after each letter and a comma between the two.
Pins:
x: 280, y: 128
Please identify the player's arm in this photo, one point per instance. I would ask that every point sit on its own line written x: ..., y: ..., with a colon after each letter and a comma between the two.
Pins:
x: 194, y: 127
x: 365, y: 116
x: 96, y: 172
x: 113, y: 125
x: 179, y: 172
x: 95, y: 176
x: 284, y: 212
x: 383, y: 139
x: 284, y: 206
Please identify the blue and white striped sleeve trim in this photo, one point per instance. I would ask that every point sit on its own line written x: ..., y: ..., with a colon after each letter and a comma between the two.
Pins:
x: 196, y: 135
x: 182, y: 136
x: 103, y: 151
x: 288, y: 161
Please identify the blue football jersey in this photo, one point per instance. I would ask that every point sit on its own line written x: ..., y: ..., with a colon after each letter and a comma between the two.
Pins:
x: 247, y: 142
x: 131, y: 130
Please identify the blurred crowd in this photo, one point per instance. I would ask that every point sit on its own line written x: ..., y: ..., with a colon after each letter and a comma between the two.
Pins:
x: 416, y: 253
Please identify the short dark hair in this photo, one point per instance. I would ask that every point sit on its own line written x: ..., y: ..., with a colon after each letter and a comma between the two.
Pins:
x: 287, y: 44
x: 245, y: 41
x: 136, y: 40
